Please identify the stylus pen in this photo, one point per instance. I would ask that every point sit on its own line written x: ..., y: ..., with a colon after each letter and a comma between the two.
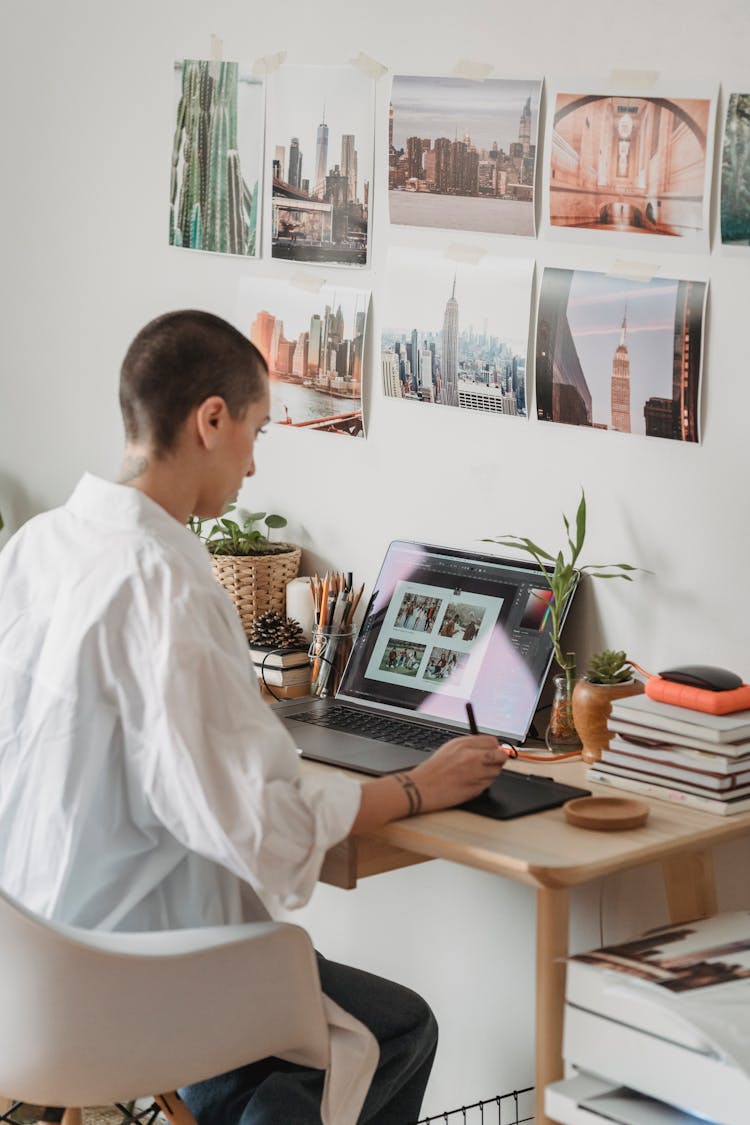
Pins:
x: 472, y: 721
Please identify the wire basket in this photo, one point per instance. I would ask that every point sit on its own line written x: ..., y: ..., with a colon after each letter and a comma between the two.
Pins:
x: 503, y: 1109
x: 257, y: 583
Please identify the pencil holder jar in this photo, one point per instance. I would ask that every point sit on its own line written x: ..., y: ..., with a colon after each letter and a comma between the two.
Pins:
x: 329, y: 652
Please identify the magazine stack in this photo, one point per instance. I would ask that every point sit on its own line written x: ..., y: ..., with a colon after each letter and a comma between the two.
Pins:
x: 675, y: 754
x: 657, y: 1030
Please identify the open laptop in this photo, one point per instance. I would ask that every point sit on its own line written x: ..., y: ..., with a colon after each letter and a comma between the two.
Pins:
x: 443, y: 627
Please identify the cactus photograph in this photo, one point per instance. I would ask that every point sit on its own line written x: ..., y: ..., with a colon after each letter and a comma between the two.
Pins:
x: 216, y: 158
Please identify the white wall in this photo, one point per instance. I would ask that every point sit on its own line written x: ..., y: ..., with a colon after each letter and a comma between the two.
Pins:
x: 86, y: 93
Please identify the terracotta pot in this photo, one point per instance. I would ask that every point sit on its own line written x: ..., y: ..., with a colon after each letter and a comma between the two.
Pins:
x: 591, y: 707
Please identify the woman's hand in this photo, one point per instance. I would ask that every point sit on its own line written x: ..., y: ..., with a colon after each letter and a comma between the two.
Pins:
x: 459, y: 770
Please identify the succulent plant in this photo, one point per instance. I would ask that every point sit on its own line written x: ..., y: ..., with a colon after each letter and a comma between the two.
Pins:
x: 609, y: 667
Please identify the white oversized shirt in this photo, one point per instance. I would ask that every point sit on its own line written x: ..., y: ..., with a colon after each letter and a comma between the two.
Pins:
x: 144, y: 784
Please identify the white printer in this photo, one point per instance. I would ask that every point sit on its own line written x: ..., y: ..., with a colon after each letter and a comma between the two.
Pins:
x: 658, y: 1030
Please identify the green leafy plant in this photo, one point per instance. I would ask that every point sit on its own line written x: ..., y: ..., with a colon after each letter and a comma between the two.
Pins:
x: 563, y: 573
x: 609, y: 667
x: 240, y: 536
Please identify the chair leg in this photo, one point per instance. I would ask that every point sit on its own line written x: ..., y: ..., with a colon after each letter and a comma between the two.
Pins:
x: 174, y: 1109
x: 72, y: 1117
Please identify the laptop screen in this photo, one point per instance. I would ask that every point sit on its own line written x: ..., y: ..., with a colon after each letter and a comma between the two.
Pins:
x: 444, y: 627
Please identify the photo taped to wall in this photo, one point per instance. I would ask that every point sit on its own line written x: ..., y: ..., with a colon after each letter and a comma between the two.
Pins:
x: 617, y: 354
x: 626, y: 165
x: 313, y: 344
x: 462, y: 154
x: 216, y: 156
x: 321, y: 137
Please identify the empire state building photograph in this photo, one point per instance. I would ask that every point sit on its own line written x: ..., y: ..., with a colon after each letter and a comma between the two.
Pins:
x: 319, y: 146
x: 455, y: 334
x: 617, y: 354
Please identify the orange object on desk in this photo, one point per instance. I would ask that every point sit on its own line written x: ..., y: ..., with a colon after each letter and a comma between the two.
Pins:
x: 698, y: 699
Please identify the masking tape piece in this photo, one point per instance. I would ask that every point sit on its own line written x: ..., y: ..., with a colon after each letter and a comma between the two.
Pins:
x: 625, y: 79
x: 371, y: 67
x: 307, y: 281
x: 475, y: 71
x: 268, y: 64
x: 217, y: 48
x: 458, y: 252
x: 633, y: 271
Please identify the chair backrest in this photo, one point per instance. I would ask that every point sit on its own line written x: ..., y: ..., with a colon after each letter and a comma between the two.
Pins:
x: 91, y: 1017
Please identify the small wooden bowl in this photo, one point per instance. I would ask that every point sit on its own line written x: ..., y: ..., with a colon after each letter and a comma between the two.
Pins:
x: 606, y: 814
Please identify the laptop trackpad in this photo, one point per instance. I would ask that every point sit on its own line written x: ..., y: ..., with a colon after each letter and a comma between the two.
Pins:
x: 351, y: 751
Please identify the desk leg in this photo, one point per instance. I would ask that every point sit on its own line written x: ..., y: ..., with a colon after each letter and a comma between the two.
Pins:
x: 689, y: 885
x: 551, y: 951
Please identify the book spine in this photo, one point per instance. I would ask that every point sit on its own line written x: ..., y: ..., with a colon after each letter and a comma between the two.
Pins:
x: 286, y: 691
x: 283, y: 677
x: 663, y: 768
x: 668, y: 740
x: 665, y: 725
x: 685, y: 757
x: 665, y: 793
x: 665, y: 717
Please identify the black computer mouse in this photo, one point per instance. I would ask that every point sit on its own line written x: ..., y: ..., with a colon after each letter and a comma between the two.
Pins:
x: 703, y: 676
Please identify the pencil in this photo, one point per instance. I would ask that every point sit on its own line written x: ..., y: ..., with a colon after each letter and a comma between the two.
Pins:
x: 355, y: 603
x: 472, y: 721
x: 319, y: 629
x: 324, y: 602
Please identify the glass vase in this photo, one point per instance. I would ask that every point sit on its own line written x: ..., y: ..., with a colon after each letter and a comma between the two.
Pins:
x: 561, y: 735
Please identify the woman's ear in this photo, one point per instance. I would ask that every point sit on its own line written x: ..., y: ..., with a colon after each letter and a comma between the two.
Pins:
x: 209, y: 416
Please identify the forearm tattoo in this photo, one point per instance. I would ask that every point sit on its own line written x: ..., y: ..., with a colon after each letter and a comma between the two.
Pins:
x: 410, y: 787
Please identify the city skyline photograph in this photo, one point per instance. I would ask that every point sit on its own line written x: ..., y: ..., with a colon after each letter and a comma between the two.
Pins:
x: 623, y: 166
x: 456, y: 334
x: 618, y: 354
x: 319, y: 152
x: 462, y: 154
x: 215, y: 184
x: 735, y: 172
x: 313, y: 344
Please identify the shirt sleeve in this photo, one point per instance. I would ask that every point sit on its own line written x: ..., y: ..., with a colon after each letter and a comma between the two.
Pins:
x: 220, y: 771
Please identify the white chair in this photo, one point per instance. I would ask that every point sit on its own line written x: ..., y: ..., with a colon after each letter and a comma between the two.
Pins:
x: 94, y: 1018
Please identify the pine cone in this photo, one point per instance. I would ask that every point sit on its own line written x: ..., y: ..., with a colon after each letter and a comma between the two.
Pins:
x: 271, y: 630
x: 290, y: 634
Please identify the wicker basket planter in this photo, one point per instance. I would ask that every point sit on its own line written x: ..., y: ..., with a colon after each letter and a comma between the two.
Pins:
x: 257, y: 583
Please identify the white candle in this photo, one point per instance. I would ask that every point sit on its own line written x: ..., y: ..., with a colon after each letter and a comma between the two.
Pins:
x: 300, y: 604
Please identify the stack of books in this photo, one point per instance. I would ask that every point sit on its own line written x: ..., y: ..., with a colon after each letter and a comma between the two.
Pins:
x: 657, y: 1029
x: 285, y: 673
x: 679, y: 755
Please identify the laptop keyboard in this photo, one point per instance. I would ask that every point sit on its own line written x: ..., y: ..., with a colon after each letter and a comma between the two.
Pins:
x: 396, y: 731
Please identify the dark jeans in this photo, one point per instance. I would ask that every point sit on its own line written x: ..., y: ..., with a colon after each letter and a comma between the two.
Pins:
x: 273, y: 1092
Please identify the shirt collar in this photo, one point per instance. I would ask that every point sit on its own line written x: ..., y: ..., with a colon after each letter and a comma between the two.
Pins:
x: 119, y: 507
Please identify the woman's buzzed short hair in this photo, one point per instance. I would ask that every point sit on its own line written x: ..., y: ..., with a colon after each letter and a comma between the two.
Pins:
x: 176, y: 362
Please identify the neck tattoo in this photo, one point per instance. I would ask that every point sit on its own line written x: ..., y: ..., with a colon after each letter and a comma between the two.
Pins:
x: 133, y: 466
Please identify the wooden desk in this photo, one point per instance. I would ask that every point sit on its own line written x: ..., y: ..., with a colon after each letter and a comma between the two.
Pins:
x: 546, y: 853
